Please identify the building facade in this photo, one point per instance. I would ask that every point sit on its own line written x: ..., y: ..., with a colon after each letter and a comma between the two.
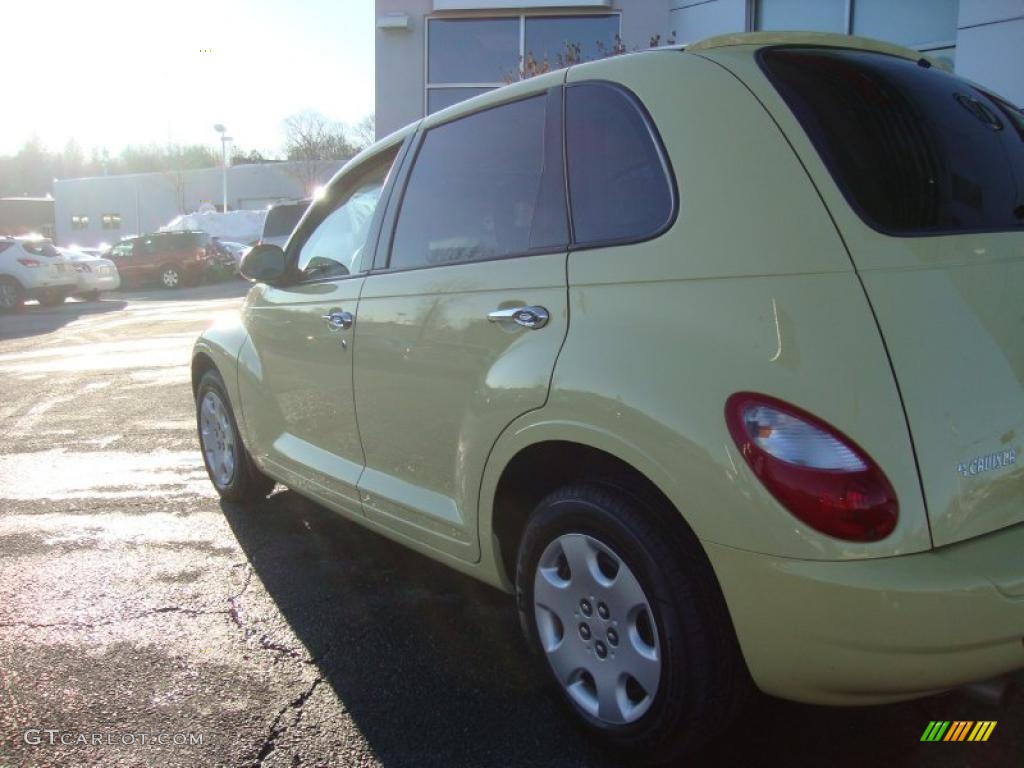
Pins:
x: 103, y: 209
x: 433, y: 53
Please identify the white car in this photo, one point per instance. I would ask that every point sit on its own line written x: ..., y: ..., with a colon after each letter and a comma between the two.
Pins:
x: 94, y: 273
x: 31, y: 268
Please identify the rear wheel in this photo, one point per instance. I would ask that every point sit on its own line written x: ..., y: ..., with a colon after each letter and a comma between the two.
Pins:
x: 630, y: 620
x: 170, y: 277
x: 228, y: 463
x: 91, y: 296
x: 12, y: 295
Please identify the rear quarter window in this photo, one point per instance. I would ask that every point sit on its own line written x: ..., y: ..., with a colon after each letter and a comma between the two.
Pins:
x: 915, y: 150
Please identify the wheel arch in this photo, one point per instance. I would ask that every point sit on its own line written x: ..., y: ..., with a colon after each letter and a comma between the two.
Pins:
x: 536, y: 461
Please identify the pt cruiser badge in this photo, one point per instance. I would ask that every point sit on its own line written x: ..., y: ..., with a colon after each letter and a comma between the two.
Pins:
x: 987, y: 463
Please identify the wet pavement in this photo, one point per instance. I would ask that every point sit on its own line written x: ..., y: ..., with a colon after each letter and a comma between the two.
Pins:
x: 144, y: 623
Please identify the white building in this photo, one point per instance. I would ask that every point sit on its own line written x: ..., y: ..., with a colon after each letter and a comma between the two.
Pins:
x: 103, y: 209
x: 432, y: 53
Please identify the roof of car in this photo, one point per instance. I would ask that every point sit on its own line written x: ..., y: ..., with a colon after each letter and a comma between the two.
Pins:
x: 826, y: 39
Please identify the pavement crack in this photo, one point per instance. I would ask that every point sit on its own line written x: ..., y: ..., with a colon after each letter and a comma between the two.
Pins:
x: 278, y: 726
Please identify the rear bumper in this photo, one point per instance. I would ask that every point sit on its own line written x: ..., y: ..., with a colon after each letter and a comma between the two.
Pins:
x: 88, y: 282
x: 871, y: 631
x: 43, y: 283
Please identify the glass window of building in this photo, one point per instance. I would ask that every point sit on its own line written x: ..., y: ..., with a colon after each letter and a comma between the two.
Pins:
x: 470, y: 56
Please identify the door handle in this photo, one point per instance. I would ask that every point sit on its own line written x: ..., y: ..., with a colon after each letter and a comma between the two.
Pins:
x: 338, y: 319
x: 529, y: 317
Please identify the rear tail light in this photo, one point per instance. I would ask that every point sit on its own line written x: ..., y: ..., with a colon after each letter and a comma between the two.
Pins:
x: 33, y: 263
x: 816, y: 472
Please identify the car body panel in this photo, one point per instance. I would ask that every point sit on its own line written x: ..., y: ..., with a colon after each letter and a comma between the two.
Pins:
x: 296, y: 385
x: 431, y: 367
x: 54, y: 273
x: 949, y: 309
x: 866, y: 632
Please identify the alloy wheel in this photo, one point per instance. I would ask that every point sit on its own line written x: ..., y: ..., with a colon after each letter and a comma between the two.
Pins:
x: 597, y: 629
x: 170, y: 278
x: 218, y: 439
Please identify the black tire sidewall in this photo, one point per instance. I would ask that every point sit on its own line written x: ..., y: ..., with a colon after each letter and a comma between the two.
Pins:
x: 19, y: 293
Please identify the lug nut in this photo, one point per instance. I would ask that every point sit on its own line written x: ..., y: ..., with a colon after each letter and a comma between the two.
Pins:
x: 602, y: 611
x: 585, y: 607
x: 613, y: 637
x: 600, y: 650
x: 584, y: 631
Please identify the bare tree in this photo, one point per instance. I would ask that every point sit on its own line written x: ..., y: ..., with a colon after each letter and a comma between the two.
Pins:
x: 364, y: 133
x: 310, y: 139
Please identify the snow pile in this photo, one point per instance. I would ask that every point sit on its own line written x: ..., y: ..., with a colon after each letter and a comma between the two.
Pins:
x: 239, y: 226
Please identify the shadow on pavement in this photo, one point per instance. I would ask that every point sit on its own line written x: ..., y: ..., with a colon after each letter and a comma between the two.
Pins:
x: 34, y: 319
x: 219, y: 289
x: 430, y: 666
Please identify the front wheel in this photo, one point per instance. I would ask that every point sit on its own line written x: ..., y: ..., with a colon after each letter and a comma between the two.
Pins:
x: 228, y: 463
x: 627, y: 613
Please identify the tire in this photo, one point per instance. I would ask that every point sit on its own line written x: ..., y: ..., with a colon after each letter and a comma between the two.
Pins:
x: 12, y: 295
x: 236, y: 479
x: 170, y: 277
x: 52, y: 298
x: 656, y: 613
x: 91, y: 296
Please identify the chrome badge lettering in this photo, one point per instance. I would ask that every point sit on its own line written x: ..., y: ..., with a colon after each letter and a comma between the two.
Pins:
x: 992, y: 461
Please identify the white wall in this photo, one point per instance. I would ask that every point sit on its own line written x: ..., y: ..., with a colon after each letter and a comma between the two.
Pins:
x: 694, y: 20
x: 990, y: 45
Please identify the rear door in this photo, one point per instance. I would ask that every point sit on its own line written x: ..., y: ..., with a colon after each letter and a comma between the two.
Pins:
x: 124, y: 256
x: 458, y: 331
x: 924, y: 174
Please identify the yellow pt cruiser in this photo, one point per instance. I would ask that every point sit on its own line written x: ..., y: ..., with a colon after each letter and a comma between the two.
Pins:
x: 713, y: 357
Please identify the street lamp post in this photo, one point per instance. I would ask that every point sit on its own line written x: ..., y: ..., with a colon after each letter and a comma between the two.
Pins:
x: 224, y: 139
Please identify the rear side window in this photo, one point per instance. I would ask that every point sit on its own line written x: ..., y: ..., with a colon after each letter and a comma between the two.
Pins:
x: 485, y: 186
x: 40, y: 248
x: 915, y: 150
x: 281, y: 219
x: 620, y: 185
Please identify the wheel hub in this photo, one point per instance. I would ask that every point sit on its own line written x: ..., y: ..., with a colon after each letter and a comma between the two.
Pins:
x: 611, y: 665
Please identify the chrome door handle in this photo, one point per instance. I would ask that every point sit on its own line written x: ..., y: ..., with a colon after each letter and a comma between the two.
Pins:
x: 529, y: 317
x: 338, y: 320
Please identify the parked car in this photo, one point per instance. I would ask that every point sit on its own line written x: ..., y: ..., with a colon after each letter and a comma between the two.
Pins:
x: 94, y: 274
x: 226, y: 256
x: 172, y: 259
x: 730, y: 392
x: 281, y: 220
x: 31, y: 268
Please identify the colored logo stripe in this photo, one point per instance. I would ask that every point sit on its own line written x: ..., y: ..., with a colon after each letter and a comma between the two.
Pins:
x: 958, y: 730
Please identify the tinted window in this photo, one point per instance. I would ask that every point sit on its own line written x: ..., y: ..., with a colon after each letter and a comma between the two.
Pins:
x: 618, y: 182
x: 40, y: 248
x: 334, y: 247
x: 914, y: 149
x: 485, y: 186
x: 281, y: 219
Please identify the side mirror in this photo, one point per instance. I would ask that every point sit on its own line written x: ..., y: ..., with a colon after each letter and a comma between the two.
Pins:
x: 264, y: 264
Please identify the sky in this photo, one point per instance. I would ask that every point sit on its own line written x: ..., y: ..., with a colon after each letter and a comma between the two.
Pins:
x: 116, y: 72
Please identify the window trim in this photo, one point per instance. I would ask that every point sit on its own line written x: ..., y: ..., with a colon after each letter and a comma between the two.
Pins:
x: 382, y: 263
x: 659, y: 146
x: 830, y: 176
x: 561, y: 13
x: 386, y: 237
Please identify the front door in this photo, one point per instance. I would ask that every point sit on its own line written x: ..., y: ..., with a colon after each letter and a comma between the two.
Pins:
x: 458, y: 333
x: 296, y: 370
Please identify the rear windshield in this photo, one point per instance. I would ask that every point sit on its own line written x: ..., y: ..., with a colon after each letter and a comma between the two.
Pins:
x: 281, y: 219
x: 40, y: 248
x: 914, y: 149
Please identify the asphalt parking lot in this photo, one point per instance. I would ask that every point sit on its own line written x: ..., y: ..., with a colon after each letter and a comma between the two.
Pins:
x: 133, y: 602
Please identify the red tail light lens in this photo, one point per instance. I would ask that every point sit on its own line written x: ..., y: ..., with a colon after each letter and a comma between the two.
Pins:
x: 816, y: 472
x: 29, y: 262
